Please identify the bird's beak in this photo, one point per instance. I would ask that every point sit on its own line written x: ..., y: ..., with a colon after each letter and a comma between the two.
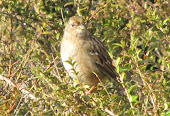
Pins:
x: 81, y: 27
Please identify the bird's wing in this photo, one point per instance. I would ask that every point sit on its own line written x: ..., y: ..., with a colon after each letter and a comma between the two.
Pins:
x: 102, y: 58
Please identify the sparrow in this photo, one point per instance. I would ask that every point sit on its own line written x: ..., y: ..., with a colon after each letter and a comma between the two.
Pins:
x: 84, y: 56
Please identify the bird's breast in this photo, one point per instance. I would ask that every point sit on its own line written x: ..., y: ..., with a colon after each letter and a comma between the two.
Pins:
x: 80, y: 60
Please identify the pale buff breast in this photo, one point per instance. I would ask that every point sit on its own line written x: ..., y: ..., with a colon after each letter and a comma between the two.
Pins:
x: 84, y: 62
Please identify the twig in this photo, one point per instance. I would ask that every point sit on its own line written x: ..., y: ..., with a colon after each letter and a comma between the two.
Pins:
x: 126, y: 93
x: 96, y: 12
x: 25, y: 92
x: 109, y: 112
x: 19, y: 106
x: 147, y: 85
x: 102, y: 84
x: 11, y: 46
x: 62, y: 15
x: 18, y: 20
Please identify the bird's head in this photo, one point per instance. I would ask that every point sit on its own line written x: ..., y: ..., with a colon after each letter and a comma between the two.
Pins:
x: 76, y: 26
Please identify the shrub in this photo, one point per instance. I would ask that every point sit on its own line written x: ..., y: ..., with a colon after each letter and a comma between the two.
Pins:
x: 34, y: 82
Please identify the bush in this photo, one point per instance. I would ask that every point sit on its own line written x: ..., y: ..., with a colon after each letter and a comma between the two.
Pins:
x: 34, y: 82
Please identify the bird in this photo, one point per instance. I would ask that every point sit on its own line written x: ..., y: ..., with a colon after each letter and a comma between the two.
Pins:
x: 84, y: 56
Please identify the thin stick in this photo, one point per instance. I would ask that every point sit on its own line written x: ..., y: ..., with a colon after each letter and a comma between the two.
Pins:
x: 11, y: 83
x: 102, y: 84
x: 62, y: 15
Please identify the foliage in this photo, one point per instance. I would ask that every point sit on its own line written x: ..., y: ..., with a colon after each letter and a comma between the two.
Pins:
x: 34, y: 82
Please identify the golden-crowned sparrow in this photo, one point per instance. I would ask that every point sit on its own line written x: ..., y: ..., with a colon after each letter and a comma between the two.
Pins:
x: 89, y: 56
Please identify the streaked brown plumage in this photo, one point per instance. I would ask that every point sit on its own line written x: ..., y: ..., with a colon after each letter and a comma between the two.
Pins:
x: 88, y: 53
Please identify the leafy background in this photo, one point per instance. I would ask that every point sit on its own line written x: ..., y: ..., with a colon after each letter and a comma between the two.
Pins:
x: 34, y: 82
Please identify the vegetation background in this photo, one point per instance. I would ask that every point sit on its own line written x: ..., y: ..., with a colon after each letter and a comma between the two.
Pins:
x: 34, y: 82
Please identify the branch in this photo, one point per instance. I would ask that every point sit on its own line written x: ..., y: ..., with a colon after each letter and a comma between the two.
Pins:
x: 24, y: 91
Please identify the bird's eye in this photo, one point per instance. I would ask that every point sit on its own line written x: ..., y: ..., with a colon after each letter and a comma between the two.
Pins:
x: 72, y: 25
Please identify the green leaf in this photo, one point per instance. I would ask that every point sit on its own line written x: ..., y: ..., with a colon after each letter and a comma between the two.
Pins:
x: 117, y: 44
x: 168, y: 113
x: 134, y: 98
x: 131, y: 88
x: 166, y: 20
x: 47, y: 32
x: 69, y: 3
x: 48, y: 71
